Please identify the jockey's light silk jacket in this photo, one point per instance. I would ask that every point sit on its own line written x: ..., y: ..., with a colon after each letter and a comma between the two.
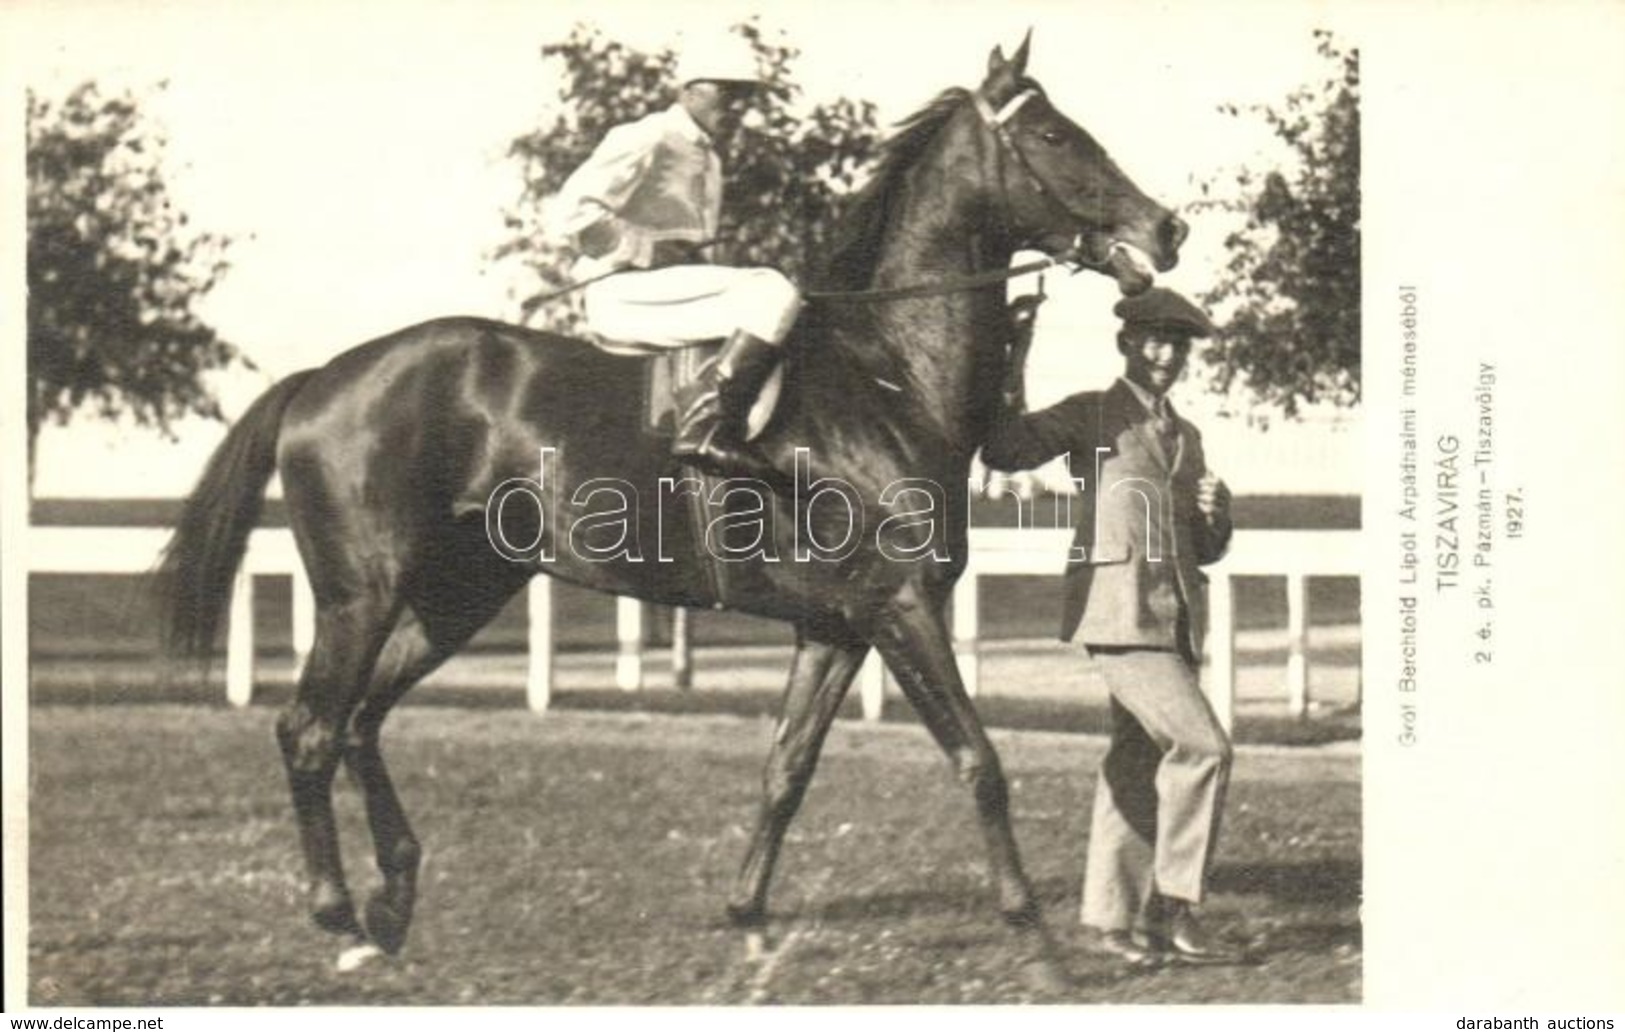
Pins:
x: 657, y: 178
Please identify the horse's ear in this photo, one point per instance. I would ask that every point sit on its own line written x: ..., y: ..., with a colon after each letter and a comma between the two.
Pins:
x: 996, y: 62
x: 1018, y: 63
x: 1005, y: 73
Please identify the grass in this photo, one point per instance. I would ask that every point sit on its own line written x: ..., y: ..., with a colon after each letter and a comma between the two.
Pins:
x: 584, y: 857
x: 1047, y: 688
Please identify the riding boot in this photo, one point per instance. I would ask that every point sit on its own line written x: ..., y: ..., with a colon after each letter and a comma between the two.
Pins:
x: 711, y: 427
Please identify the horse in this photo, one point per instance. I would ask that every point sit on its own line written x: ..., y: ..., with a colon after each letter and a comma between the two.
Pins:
x: 888, y: 394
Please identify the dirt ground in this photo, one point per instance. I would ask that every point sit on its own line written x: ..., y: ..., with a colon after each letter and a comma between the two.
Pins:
x: 583, y: 857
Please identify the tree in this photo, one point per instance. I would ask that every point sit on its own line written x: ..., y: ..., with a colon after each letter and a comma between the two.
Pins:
x: 1291, y: 289
x: 787, y: 173
x: 114, y: 271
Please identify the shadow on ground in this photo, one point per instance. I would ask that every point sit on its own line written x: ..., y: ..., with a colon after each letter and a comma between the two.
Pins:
x: 1334, y: 882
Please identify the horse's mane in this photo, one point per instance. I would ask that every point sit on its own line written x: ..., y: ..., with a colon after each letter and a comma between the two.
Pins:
x: 851, y: 261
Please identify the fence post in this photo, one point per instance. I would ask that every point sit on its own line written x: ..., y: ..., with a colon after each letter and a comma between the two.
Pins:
x: 539, y: 639
x: 682, y: 649
x: 872, y: 685
x: 240, y: 640
x: 967, y: 631
x: 1222, y: 646
x: 630, y: 616
x: 1297, y: 644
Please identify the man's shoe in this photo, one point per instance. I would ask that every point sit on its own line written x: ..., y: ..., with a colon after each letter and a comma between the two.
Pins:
x: 1117, y: 942
x: 1185, y: 941
x: 711, y: 425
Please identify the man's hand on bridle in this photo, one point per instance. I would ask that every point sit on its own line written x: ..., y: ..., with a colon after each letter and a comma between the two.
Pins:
x: 1023, y: 315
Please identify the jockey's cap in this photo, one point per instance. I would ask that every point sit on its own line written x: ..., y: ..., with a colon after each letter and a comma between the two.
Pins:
x: 725, y: 58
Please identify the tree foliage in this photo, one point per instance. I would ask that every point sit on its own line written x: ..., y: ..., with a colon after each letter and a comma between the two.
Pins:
x: 114, y: 270
x: 787, y: 171
x: 1289, y: 299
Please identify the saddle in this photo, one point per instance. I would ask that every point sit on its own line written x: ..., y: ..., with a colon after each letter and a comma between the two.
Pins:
x: 667, y: 375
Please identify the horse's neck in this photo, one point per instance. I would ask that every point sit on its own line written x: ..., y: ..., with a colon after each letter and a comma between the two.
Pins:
x: 933, y: 230
x: 942, y: 347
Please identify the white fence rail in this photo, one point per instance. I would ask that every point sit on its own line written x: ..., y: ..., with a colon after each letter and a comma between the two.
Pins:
x: 1297, y: 555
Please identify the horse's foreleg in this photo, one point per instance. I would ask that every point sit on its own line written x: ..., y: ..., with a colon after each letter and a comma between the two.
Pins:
x: 310, y: 733
x: 912, y: 636
x: 823, y: 668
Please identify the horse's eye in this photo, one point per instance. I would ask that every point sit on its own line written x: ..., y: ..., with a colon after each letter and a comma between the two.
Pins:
x: 1052, y: 137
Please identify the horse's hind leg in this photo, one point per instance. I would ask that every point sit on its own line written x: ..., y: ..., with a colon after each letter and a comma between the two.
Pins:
x: 435, y: 624
x: 396, y: 848
x: 310, y: 732
x: 826, y: 660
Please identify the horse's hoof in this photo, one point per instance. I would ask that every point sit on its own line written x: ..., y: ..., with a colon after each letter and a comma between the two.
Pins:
x: 756, y: 946
x: 1024, y: 917
x: 357, y: 957
x: 746, y: 916
x: 387, y: 924
x: 333, y: 912
x: 1045, y: 976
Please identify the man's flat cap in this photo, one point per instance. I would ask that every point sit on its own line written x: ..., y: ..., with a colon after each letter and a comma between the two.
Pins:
x: 1159, y: 306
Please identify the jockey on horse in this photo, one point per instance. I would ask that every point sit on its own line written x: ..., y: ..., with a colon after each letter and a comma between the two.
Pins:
x: 639, y: 212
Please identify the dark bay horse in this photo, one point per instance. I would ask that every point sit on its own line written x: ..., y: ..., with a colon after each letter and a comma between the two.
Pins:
x: 886, y: 401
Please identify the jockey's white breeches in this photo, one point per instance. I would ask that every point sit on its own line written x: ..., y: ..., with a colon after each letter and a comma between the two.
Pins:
x: 685, y: 304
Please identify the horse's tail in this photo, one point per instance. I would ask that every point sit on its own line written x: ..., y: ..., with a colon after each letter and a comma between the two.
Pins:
x: 201, y: 560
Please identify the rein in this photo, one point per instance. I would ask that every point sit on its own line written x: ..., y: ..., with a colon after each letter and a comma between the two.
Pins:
x: 995, y: 123
x: 950, y: 286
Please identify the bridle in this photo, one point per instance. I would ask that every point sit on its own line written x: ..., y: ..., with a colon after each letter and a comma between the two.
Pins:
x: 1075, y: 257
x: 997, y: 124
